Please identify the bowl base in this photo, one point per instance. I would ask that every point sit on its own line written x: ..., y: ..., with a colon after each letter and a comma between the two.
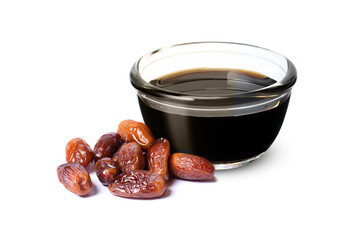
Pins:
x: 235, y: 164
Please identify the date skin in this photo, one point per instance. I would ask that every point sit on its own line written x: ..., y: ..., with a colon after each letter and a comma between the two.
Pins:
x: 115, y: 157
x: 107, y: 145
x: 133, y: 131
x: 77, y: 150
x: 190, y: 167
x: 158, y: 156
x: 131, y: 157
x: 75, y: 178
x: 106, y: 170
x: 138, y: 184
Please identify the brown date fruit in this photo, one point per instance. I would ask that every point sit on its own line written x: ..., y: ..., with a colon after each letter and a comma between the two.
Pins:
x: 115, y: 157
x: 190, y: 167
x: 77, y: 150
x: 131, y: 157
x: 138, y: 184
x: 158, y: 156
x: 132, y: 131
x: 106, y: 169
x: 107, y: 145
x: 75, y: 178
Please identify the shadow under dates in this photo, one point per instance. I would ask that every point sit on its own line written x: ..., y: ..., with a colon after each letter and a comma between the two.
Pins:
x: 173, y: 180
x: 166, y: 194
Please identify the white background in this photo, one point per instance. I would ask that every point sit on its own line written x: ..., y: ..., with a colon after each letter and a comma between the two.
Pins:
x: 64, y: 69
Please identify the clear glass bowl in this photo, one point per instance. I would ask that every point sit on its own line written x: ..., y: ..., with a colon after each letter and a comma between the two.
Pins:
x: 229, y: 128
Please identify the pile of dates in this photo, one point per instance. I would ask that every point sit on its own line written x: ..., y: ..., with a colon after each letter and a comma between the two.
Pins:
x: 130, y: 162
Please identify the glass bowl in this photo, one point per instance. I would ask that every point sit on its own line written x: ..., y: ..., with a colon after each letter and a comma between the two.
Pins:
x: 229, y: 113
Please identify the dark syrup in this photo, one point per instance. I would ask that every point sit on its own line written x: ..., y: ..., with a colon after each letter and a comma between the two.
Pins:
x: 219, y: 139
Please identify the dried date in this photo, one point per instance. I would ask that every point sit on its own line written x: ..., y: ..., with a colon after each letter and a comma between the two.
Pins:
x: 157, y: 157
x: 107, y: 145
x: 138, y: 184
x: 115, y: 157
x: 132, y: 131
x: 77, y: 150
x: 106, y: 170
x: 190, y: 167
x: 131, y: 157
x: 75, y: 178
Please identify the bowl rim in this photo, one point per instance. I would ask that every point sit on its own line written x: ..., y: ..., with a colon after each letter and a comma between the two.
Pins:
x: 282, y: 86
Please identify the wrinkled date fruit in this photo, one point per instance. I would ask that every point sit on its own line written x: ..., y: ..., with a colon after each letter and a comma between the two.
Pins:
x: 138, y: 184
x: 75, y: 178
x: 107, y: 145
x: 77, y: 150
x: 132, y: 131
x: 158, y: 156
x: 190, y: 167
x: 106, y: 169
x: 115, y: 157
x: 131, y: 157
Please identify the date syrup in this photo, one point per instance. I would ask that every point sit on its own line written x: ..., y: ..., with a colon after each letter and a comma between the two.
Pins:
x: 218, y: 139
